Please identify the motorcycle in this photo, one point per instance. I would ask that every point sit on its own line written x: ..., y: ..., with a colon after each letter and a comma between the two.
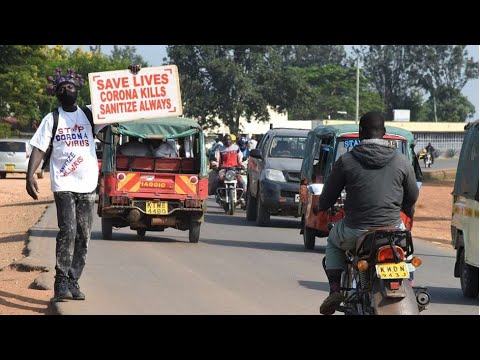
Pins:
x: 377, y: 276
x: 427, y: 160
x: 229, y: 196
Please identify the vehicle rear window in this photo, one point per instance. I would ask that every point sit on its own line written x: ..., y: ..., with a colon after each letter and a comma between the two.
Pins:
x: 12, y: 146
x: 345, y: 145
x: 288, y: 146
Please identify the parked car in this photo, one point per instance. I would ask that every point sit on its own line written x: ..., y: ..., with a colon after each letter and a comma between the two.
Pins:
x: 274, y: 175
x: 465, y: 213
x: 14, y: 156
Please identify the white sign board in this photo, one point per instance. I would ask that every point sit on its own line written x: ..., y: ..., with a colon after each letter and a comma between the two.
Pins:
x: 122, y: 96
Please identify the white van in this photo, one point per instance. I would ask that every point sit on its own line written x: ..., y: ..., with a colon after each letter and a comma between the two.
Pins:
x: 14, y: 156
x: 465, y: 213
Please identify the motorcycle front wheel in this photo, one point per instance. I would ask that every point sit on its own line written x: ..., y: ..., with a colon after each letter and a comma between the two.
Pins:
x: 231, y: 201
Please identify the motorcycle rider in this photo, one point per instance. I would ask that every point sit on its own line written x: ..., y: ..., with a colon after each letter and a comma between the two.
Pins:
x: 229, y: 156
x: 379, y: 182
x: 430, y: 149
x: 243, y: 145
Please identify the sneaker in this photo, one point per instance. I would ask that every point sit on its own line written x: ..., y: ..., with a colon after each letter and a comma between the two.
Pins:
x: 331, y: 303
x: 61, y: 290
x: 75, y: 290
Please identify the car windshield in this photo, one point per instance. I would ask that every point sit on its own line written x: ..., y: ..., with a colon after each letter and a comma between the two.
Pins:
x: 345, y: 145
x: 12, y: 146
x: 287, y: 147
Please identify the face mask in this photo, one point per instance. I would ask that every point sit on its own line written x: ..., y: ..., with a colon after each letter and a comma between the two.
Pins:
x: 67, y: 98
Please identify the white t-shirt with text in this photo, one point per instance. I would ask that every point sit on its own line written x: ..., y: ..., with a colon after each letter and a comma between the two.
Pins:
x: 73, y: 163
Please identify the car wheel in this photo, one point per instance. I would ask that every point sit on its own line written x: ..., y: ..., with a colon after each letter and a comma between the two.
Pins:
x: 468, y: 277
x: 263, y: 216
x: 3, y: 175
x: 141, y: 232
x: 251, y: 207
x: 107, y: 228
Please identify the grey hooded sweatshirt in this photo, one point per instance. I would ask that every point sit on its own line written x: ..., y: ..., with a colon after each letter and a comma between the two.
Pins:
x: 379, y: 182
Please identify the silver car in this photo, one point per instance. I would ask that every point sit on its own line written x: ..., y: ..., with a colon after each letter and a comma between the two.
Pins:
x: 14, y: 156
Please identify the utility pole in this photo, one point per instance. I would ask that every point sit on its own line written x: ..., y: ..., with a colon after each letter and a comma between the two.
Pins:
x: 358, y: 89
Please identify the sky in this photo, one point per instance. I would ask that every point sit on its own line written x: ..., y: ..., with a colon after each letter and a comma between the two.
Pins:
x: 154, y: 55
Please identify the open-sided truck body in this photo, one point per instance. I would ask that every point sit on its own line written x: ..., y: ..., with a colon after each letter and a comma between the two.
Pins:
x: 325, y: 144
x: 148, y: 193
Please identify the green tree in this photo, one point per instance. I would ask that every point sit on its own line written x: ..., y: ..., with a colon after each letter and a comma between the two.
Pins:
x: 124, y: 56
x: 313, y: 55
x: 20, y: 79
x: 390, y: 69
x: 450, y: 106
x: 330, y: 89
x: 442, y: 71
x: 226, y: 82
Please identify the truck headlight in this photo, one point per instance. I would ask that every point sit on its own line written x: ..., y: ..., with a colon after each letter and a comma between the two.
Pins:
x: 274, y: 175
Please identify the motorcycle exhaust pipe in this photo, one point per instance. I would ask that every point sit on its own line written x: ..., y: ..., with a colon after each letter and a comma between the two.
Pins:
x: 423, y: 299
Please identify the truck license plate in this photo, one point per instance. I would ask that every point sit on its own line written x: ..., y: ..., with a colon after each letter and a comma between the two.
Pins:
x: 156, y: 208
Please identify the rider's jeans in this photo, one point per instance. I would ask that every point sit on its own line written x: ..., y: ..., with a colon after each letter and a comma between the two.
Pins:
x: 342, y: 238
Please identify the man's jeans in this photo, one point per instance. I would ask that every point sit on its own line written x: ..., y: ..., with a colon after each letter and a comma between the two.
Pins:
x: 75, y: 218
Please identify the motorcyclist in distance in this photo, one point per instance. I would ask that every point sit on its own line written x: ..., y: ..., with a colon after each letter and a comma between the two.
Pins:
x: 229, y: 156
x: 243, y: 145
x: 379, y: 183
x: 430, y: 149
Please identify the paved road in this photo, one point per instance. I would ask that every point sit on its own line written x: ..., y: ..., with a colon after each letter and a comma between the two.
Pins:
x: 441, y: 164
x: 236, y: 268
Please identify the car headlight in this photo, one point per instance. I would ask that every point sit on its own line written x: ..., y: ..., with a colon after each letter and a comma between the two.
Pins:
x: 230, y: 175
x: 274, y: 175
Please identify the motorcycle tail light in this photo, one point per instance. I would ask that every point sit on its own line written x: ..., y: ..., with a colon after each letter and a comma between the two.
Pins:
x: 416, y: 261
x: 385, y: 254
x: 394, y: 285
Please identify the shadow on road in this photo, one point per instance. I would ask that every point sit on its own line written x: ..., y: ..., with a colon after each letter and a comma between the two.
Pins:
x: 262, y: 245
x: 444, y: 295
x: 223, y: 219
x: 315, y: 285
x: 155, y: 236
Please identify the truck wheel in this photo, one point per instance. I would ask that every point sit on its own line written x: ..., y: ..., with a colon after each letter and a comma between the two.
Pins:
x: 3, y: 175
x: 468, y: 277
x: 194, y: 232
x: 263, y: 216
x: 251, y: 207
x: 141, y: 232
x: 308, y: 238
x: 107, y: 228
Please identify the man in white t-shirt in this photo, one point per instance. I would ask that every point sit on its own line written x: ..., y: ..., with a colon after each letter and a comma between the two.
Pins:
x: 73, y: 176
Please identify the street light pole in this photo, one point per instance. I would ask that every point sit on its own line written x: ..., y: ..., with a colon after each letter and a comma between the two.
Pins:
x: 358, y: 87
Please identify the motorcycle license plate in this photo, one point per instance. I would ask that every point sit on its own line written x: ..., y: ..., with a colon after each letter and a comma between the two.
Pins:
x: 156, y: 208
x: 9, y: 167
x: 392, y: 271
